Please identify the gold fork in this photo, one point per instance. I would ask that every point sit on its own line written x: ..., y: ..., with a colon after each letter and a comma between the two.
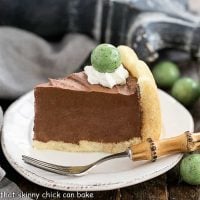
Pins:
x: 147, y: 150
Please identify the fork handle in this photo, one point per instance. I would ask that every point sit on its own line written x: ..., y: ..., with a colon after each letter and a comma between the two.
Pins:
x: 151, y: 150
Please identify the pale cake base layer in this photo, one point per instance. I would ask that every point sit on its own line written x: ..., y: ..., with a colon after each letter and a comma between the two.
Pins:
x: 86, y: 146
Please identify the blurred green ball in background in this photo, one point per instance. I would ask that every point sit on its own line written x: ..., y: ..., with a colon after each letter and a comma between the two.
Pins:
x: 186, y: 90
x: 165, y: 73
x: 190, y: 169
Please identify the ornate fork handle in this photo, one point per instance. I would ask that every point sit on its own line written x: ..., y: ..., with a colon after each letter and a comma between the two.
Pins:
x: 151, y: 150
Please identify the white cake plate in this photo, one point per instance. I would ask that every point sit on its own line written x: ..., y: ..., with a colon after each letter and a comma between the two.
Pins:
x: 17, y: 140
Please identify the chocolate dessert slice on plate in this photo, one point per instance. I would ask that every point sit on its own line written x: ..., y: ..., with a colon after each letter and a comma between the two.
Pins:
x: 106, y: 107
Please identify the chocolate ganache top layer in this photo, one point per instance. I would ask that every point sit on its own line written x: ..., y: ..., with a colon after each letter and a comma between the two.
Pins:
x: 78, y: 82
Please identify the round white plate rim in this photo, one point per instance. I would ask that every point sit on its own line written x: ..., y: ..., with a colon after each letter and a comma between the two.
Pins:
x: 80, y: 187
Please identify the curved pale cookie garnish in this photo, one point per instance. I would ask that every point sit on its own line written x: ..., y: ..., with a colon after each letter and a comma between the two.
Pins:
x: 149, y: 100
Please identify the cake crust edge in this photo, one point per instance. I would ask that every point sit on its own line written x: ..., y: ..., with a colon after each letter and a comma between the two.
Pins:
x: 149, y: 99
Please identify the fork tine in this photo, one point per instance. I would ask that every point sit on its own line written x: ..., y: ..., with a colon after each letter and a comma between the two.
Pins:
x: 69, y: 171
x: 45, y: 164
x: 46, y: 168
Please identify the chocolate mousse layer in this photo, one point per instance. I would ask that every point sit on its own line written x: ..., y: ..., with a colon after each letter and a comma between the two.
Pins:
x: 71, y: 110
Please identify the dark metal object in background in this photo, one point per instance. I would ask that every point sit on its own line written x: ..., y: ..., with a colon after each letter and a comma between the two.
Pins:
x: 145, y: 25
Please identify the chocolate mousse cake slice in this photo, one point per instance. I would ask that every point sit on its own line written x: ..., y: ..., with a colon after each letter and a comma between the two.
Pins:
x: 71, y: 114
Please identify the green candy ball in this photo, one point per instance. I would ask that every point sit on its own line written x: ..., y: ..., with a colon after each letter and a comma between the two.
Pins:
x: 105, y: 58
x: 190, y: 169
x: 165, y: 73
x: 186, y: 90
